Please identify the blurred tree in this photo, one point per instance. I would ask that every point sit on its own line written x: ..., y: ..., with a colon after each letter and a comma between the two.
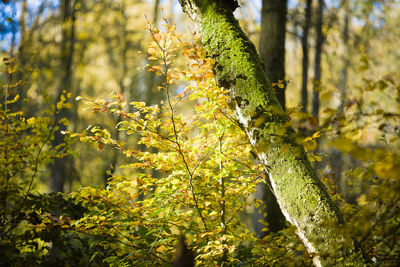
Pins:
x: 272, y: 54
x: 304, y: 45
x: 62, y: 169
x: 272, y: 43
x: 337, y: 156
x: 118, y: 58
x: 317, y: 61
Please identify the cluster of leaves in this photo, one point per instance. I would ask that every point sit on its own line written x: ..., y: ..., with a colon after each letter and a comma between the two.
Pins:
x: 362, y: 167
x: 191, y: 174
x: 357, y: 154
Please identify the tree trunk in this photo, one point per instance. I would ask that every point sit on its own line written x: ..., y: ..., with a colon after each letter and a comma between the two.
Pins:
x: 62, y: 168
x: 318, y: 52
x: 301, y: 195
x: 272, y: 53
x: 346, y: 62
x: 121, y: 77
x: 272, y: 42
x: 156, y: 11
x: 337, y: 159
x: 304, y: 45
x: 22, y: 56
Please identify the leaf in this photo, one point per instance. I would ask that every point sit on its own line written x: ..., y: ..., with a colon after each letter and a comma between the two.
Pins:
x: 152, y: 51
x: 325, y: 96
x: 59, y: 105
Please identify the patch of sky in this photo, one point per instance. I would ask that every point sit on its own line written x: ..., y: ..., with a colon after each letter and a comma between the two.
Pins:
x: 10, y: 15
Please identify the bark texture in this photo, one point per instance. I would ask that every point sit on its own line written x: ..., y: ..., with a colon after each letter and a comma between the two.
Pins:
x: 301, y: 195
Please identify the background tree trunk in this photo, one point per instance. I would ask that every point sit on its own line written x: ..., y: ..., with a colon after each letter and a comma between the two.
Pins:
x: 346, y: 62
x: 301, y: 195
x: 318, y: 53
x: 272, y: 42
x: 272, y: 53
x: 337, y: 156
x: 62, y: 168
x: 21, y: 52
x: 109, y: 169
x: 304, y: 45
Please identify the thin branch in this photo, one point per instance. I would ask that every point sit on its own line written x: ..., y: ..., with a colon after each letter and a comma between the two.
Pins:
x: 119, y: 241
x: 179, y: 148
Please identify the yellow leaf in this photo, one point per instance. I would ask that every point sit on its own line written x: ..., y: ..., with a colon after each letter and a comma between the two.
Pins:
x: 156, y: 67
x: 152, y: 51
x: 325, y: 96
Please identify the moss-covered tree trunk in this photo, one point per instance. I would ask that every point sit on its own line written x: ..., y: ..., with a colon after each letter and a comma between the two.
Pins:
x: 301, y: 195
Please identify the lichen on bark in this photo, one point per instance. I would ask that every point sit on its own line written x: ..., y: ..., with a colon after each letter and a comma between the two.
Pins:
x: 301, y: 195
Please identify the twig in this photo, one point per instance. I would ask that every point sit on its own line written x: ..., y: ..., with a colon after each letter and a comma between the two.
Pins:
x: 179, y: 148
x: 119, y: 241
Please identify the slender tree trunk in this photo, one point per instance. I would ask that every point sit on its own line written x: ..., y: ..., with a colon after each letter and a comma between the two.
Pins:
x: 272, y: 53
x: 346, y: 62
x: 62, y: 168
x: 156, y: 11
x: 272, y: 42
x: 22, y: 55
x: 301, y: 195
x: 304, y: 45
x: 153, y: 95
x: 122, y: 75
x: 318, y: 53
x: 337, y: 159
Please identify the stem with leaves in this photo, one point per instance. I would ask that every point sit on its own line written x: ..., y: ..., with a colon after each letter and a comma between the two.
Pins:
x: 165, y: 75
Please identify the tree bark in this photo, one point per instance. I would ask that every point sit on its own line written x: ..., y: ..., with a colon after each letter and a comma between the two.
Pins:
x: 22, y: 54
x: 301, y: 195
x: 337, y: 155
x: 272, y: 42
x: 272, y: 53
x: 62, y: 168
x: 346, y: 62
x: 304, y: 45
x: 318, y: 53
x: 122, y: 63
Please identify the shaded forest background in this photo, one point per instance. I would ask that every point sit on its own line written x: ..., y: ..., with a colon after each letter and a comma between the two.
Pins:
x: 68, y: 68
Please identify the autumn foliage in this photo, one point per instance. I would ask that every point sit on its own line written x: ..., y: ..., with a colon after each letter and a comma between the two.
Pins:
x: 189, y: 173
